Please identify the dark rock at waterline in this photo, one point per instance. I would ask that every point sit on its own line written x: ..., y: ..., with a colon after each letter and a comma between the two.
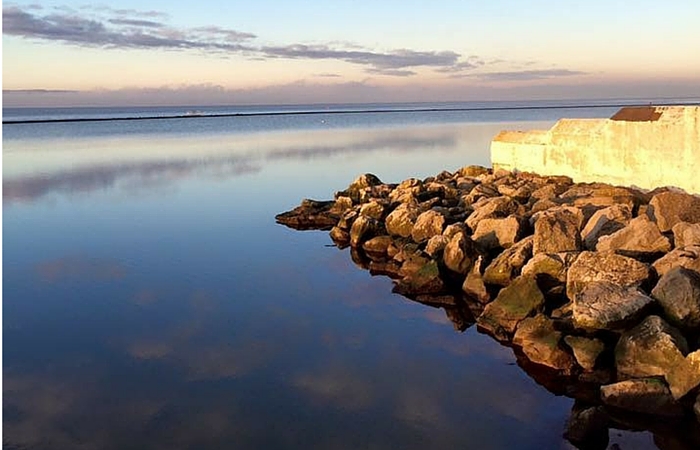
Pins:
x: 587, y: 427
x: 507, y: 266
x: 310, y: 215
x: 521, y: 299
x: 643, y: 395
x: 541, y: 343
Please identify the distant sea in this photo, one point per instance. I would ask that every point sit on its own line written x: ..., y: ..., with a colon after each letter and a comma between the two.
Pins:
x: 150, y: 300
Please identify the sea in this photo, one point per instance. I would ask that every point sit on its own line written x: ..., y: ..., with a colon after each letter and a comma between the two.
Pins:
x: 150, y: 301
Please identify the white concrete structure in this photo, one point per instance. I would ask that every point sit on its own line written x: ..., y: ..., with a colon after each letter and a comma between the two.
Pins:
x: 647, y: 147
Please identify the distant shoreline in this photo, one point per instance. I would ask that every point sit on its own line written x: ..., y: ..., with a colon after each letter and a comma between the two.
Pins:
x: 198, y: 115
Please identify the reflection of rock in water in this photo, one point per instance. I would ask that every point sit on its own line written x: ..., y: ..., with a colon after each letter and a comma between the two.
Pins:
x: 560, y: 272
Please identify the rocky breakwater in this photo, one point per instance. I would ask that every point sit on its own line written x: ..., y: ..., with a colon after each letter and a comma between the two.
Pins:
x: 596, y: 287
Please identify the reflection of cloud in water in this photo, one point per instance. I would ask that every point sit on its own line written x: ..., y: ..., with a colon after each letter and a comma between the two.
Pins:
x: 338, y: 385
x: 91, y: 269
x: 30, y: 174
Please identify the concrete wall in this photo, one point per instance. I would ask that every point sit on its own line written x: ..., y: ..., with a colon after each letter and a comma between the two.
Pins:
x: 646, y: 147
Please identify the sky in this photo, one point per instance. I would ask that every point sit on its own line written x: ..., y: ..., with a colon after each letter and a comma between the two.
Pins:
x: 151, y: 52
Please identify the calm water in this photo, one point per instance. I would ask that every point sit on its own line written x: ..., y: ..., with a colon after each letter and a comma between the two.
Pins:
x: 150, y: 300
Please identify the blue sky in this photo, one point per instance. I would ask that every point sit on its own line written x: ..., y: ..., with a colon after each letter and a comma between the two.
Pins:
x: 274, y: 51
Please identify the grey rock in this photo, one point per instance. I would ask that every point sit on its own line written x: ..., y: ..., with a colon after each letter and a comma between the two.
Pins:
x: 507, y: 266
x: 641, y: 238
x: 671, y: 207
x: 595, y: 266
x: 607, y: 305
x: 645, y: 395
x: 651, y: 348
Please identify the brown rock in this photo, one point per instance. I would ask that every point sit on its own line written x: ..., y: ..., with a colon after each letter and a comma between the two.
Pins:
x: 522, y: 298
x: 498, y: 233
x: 377, y: 246
x: 474, y: 285
x: 586, y: 350
x: 373, y: 209
x: 684, y: 376
x: 429, y: 224
x: 686, y: 234
x: 401, y: 220
x: 604, y: 222
x: 550, y: 268
x: 651, y: 348
x: 641, y: 238
x: 645, y: 395
x: 540, y: 343
x: 595, y: 266
x: 459, y: 254
x: 558, y: 230
x: 436, y: 245
x: 424, y: 279
x: 362, y: 229
x: 310, y: 215
x: 607, y: 305
x: 678, y: 293
x: 688, y: 257
x: 671, y: 207
x: 340, y: 237
x: 507, y: 266
x: 490, y: 208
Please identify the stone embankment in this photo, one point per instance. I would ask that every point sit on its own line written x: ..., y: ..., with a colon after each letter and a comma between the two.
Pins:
x: 596, y: 287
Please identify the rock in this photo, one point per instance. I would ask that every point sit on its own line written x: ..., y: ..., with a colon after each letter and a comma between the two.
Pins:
x: 671, y: 207
x: 641, y: 238
x: 520, y: 192
x: 473, y: 171
x: 604, y: 222
x: 684, y: 376
x: 347, y: 218
x: 549, y: 268
x: 459, y: 254
x: 429, y: 224
x: 377, y: 246
x: 587, y: 427
x: 474, y: 285
x: 373, y: 209
x: 678, y: 293
x: 507, y: 266
x: 341, y: 204
x: 558, y: 230
x: 688, y: 257
x: 595, y: 266
x: 522, y: 298
x: 436, y: 245
x: 391, y: 269
x: 645, y: 395
x: 686, y: 234
x: 696, y: 408
x: 651, y: 348
x: 340, y: 237
x: 586, y: 350
x: 601, y: 194
x: 310, y: 215
x: 498, y: 233
x: 491, y: 208
x: 422, y: 280
x: 401, y: 220
x: 603, y: 305
x: 362, y: 229
x: 406, y: 191
x: 540, y: 343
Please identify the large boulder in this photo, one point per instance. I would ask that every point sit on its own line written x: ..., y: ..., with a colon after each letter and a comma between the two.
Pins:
x: 550, y: 268
x: 459, y: 254
x: 420, y: 276
x: 401, y: 220
x: 645, y: 395
x: 678, y: 293
x: 377, y: 246
x: 310, y: 215
x: 362, y: 229
x: 604, y: 222
x: 374, y: 209
x: 540, y: 342
x: 498, y: 233
x: 428, y: 224
x: 407, y: 191
x: 507, y: 266
x: 522, y: 298
x: 652, y: 348
x: 558, y: 230
x: 688, y: 257
x: 685, y: 376
x: 357, y: 189
x: 641, y: 238
x: 586, y: 350
x: 685, y: 234
x: 595, y: 266
x: 671, y: 207
x: 607, y: 305
x: 490, y: 208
